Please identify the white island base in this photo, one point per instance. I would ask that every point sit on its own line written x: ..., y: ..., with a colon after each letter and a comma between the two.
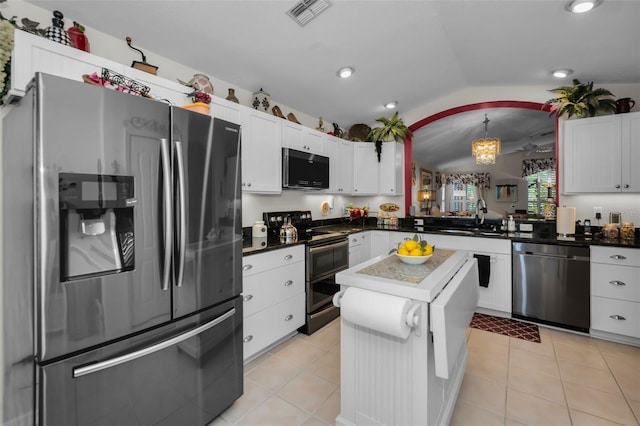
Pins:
x: 414, y: 376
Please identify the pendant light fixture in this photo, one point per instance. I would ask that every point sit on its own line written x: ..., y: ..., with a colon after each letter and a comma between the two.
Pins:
x: 485, y: 149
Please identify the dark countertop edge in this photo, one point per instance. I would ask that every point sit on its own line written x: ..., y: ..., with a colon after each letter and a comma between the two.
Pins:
x: 273, y: 243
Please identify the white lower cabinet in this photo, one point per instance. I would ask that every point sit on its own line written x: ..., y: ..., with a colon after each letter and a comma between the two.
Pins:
x: 497, y: 295
x: 356, y: 249
x: 379, y: 242
x: 273, y: 297
x: 615, y: 291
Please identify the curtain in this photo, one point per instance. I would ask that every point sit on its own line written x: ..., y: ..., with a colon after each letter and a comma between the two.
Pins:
x: 480, y: 180
x: 533, y: 166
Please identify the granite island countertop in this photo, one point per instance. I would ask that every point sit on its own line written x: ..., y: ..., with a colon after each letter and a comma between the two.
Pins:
x: 388, y: 275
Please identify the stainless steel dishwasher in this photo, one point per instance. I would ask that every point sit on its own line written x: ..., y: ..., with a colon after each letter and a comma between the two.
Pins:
x: 551, y: 284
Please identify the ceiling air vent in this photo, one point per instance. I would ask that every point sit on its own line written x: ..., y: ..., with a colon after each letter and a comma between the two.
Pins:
x: 305, y: 10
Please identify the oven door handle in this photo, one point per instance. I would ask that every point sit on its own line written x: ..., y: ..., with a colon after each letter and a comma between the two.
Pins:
x: 316, y: 249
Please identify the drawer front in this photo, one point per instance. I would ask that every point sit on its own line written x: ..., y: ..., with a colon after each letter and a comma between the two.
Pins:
x: 257, y: 263
x: 615, y: 256
x: 604, y: 312
x: 616, y: 282
x: 266, y: 327
x: 260, y: 291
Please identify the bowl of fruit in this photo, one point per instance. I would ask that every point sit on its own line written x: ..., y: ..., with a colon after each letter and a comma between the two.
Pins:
x: 415, y: 251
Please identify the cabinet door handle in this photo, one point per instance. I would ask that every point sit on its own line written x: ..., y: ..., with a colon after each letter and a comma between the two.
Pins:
x: 616, y: 282
x: 617, y: 317
x: 618, y: 257
x: 248, y: 338
x: 288, y: 283
x: 626, y: 186
x: 288, y: 257
x: 247, y: 267
x: 617, y: 186
x: 288, y: 318
x: 247, y: 297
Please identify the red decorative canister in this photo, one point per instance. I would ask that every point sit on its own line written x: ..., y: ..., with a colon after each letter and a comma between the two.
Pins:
x: 77, y: 37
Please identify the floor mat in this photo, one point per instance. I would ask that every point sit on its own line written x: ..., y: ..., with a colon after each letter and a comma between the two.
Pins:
x: 506, y: 326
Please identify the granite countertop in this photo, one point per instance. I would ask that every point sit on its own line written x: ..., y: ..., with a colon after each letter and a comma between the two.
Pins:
x: 250, y: 246
x: 393, y: 268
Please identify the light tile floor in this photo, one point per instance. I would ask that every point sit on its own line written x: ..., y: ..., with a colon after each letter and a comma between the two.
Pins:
x: 567, y: 379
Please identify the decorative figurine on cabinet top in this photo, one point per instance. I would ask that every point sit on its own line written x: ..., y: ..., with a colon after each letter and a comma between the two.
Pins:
x: 56, y: 31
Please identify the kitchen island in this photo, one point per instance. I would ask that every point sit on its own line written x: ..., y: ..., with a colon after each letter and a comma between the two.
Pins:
x: 403, y: 331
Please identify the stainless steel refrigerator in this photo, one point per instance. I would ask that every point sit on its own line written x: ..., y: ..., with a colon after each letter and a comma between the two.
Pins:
x: 122, y: 260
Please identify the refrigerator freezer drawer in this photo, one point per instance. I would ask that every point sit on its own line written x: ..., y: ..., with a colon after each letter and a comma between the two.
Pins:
x: 179, y: 377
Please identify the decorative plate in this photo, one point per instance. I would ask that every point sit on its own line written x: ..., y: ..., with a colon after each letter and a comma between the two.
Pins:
x: 413, y: 260
x: 389, y: 207
x: 324, y: 208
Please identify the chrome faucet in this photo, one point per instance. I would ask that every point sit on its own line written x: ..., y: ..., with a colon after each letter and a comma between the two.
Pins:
x: 480, y: 212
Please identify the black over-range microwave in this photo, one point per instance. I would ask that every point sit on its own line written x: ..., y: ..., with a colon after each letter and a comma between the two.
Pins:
x: 304, y: 170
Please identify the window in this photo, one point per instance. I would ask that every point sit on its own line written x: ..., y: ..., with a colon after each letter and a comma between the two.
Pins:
x: 540, y: 186
x: 463, y: 198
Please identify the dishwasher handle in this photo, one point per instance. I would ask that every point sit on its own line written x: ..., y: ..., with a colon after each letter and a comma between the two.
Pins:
x: 555, y: 256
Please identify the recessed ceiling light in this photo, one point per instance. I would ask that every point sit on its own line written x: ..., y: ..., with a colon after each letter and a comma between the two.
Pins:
x: 562, y: 73
x: 391, y: 104
x: 346, y: 72
x: 581, y: 6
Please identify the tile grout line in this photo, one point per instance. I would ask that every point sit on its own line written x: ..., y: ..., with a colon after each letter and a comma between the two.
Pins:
x: 564, y: 389
x: 622, y: 392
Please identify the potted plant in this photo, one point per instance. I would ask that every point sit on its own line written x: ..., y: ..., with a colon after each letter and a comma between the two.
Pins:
x: 392, y: 129
x: 581, y: 100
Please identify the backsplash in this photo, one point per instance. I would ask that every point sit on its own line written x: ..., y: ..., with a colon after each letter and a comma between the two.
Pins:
x: 253, y: 205
x: 627, y: 204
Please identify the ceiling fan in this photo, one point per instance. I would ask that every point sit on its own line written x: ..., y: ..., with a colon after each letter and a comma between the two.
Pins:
x: 531, y: 147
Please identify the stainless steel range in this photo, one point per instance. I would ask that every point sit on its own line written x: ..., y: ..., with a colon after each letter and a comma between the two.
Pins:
x: 327, y: 253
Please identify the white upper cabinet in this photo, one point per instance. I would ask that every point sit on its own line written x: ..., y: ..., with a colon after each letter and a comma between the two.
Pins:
x: 261, y: 152
x: 391, y: 169
x: 33, y: 54
x: 340, y: 154
x: 302, y: 138
x: 371, y: 177
x: 600, y: 154
x: 365, y: 169
x: 226, y: 110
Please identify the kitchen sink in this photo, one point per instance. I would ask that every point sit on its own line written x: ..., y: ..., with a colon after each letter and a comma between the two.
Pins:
x: 457, y: 231
x: 490, y: 233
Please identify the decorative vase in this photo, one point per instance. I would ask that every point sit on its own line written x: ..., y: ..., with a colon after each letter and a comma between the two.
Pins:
x: 260, y: 100
x: 77, y: 37
x: 200, y: 107
x: 232, y: 96
x: 56, y: 31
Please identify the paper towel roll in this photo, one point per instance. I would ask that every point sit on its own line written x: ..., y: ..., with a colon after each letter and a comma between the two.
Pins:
x: 566, y: 220
x: 377, y: 311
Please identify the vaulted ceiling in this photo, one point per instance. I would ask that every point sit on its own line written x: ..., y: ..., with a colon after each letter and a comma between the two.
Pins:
x: 408, y: 51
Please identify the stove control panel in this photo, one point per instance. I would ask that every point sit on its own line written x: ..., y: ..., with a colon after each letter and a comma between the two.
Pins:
x: 301, y: 219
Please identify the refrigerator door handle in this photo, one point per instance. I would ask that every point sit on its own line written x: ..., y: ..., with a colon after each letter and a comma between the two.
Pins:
x: 182, y: 211
x: 168, y: 213
x: 103, y: 365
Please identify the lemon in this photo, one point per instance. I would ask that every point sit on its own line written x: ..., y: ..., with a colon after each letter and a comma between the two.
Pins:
x: 428, y: 250
x: 403, y: 251
x: 410, y: 245
x: 416, y: 252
